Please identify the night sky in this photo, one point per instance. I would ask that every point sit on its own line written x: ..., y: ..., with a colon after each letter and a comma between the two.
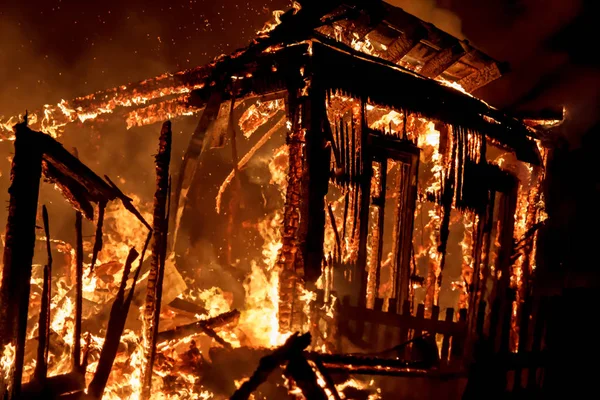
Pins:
x: 57, y: 49
x: 64, y: 48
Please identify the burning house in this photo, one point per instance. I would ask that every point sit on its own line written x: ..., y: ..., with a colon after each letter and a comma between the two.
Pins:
x: 350, y: 189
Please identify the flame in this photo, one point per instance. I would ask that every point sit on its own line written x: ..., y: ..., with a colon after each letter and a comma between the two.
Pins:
x: 7, y: 360
x: 52, y: 119
x: 269, y: 26
x: 258, y: 114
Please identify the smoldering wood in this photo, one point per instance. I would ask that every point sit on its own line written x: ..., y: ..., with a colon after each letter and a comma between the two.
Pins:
x: 76, y: 355
x: 200, y: 326
x: 294, y: 345
x: 26, y: 172
x: 327, y: 377
x: 116, y: 323
x: 159, y: 248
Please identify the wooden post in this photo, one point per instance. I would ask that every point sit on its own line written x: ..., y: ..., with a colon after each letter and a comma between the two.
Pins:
x: 18, y: 254
x: 288, y: 261
x: 41, y: 366
x: 316, y: 181
x: 365, y: 200
x: 76, y: 355
x: 159, y: 248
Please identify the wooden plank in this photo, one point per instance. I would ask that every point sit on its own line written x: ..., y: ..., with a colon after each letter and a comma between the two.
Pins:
x: 159, y: 251
x: 523, y: 336
x: 442, y: 60
x: 355, y: 313
x: 365, y: 200
x: 446, y: 341
x: 458, y: 340
x: 539, y: 323
x: 26, y: 172
x: 390, y: 332
x: 480, y: 318
x: 418, y: 330
x: 76, y: 352
x: 374, y: 328
x: 482, y: 77
x: 315, y: 182
x: 404, y: 326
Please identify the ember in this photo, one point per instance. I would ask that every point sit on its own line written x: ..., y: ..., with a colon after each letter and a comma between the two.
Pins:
x: 357, y: 192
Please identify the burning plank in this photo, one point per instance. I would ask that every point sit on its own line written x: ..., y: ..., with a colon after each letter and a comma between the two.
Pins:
x: 116, y: 323
x: 200, y: 326
x: 159, y: 250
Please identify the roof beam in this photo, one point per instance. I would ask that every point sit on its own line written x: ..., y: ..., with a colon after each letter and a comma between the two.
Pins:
x: 403, y: 45
x: 481, y: 78
x: 443, y: 60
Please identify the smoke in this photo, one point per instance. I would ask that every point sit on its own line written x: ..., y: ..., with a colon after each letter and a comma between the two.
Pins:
x: 429, y: 11
x: 78, y: 48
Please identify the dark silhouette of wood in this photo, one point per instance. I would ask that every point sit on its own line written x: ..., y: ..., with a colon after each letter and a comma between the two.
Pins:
x: 41, y: 366
x: 19, y: 245
x: 302, y: 374
x: 98, y: 242
x: 76, y: 355
x: 292, y: 347
x: 201, y: 326
x: 116, y: 323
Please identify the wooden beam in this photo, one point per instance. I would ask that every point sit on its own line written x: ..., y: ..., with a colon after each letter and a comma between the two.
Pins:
x: 159, y: 250
x: 443, y: 60
x: 478, y: 79
x: 404, y: 44
x: 26, y: 173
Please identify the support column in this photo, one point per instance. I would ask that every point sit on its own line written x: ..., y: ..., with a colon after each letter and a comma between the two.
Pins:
x: 18, y: 255
x: 288, y: 263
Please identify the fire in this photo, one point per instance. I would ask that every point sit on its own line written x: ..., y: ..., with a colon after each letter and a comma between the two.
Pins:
x: 7, y: 360
x: 52, y: 119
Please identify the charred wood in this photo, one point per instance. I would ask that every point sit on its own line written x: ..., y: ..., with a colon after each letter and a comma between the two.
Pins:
x: 200, y: 326
x: 116, y: 323
x: 76, y: 356
x: 19, y: 246
x: 292, y: 347
x: 98, y: 243
x: 41, y: 366
x: 288, y: 260
x: 159, y: 249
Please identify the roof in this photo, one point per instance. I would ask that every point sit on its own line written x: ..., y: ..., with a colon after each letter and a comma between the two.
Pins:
x: 392, y: 34
x: 273, y: 61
